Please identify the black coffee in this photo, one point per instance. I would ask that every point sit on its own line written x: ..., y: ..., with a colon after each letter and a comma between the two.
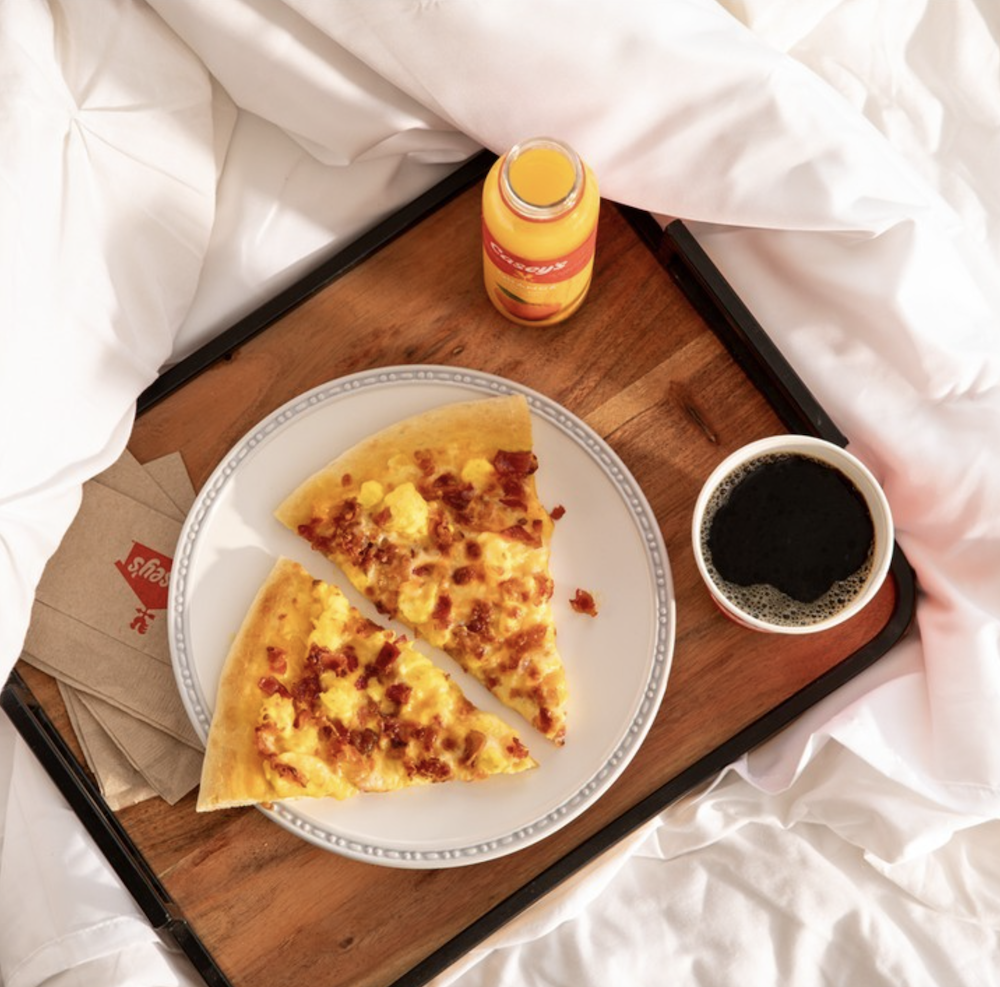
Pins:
x: 789, y: 539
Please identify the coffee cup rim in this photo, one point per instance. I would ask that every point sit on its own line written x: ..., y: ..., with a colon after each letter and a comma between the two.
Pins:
x: 834, y: 455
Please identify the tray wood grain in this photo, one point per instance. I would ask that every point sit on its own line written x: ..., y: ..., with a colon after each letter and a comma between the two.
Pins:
x: 640, y: 366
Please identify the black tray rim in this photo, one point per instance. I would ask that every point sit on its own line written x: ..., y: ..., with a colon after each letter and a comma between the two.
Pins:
x: 677, y: 250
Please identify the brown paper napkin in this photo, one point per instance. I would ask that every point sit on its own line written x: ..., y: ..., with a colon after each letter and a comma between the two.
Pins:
x: 121, y: 784
x: 171, y: 475
x: 99, y: 627
x: 112, y: 570
x: 171, y: 769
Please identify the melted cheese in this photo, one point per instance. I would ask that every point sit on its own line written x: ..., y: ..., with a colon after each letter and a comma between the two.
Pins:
x: 491, y: 758
x: 318, y: 778
x: 401, y: 467
x: 329, y: 623
x: 278, y: 711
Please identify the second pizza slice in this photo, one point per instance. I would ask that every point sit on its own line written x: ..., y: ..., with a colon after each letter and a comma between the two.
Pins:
x: 437, y: 520
x: 316, y: 700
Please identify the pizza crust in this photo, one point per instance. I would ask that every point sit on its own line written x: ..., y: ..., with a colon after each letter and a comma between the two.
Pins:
x: 469, y: 427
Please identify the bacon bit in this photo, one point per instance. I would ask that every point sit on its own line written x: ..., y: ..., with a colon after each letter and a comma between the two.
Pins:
x: 516, y: 749
x: 388, y: 653
x: 544, y: 588
x: 514, y: 503
x: 341, y: 663
x: 349, y: 511
x: 383, y: 517
x: 523, y: 463
x: 583, y: 602
x: 434, y: 768
x: 425, y: 460
x: 367, y: 674
x: 307, y: 689
x: 269, y: 685
x: 441, y: 615
x: 443, y: 535
x: 473, y: 550
x: 426, y: 736
x: 337, y: 533
x: 465, y: 574
x: 276, y: 660
x: 512, y: 485
x: 557, y: 512
x: 346, y: 480
x: 288, y: 772
x: 264, y: 738
x: 365, y: 627
x: 459, y: 498
x: 399, y: 692
x: 480, y: 619
x: 530, y: 639
x: 425, y: 569
x: 518, y: 532
x: 364, y: 741
x: 475, y: 741
x: 396, y: 730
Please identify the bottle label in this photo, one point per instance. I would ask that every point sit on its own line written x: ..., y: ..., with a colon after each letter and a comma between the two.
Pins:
x: 527, y: 272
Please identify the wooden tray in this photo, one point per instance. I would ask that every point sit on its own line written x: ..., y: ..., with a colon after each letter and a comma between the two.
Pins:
x: 670, y: 368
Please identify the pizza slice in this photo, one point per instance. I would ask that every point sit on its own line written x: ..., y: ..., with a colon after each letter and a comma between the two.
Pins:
x: 316, y: 700
x: 437, y: 520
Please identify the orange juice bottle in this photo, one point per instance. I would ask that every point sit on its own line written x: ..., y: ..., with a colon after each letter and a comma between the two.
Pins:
x: 540, y: 208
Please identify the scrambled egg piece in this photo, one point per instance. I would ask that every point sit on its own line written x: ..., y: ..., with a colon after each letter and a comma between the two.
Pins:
x: 431, y: 689
x: 416, y: 600
x: 504, y: 556
x: 340, y: 699
x: 332, y: 617
x: 370, y: 494
x: 478, y: 472
x: 410, y: 511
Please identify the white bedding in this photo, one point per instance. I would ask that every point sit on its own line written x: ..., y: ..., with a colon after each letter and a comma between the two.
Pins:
x: 837, y: 159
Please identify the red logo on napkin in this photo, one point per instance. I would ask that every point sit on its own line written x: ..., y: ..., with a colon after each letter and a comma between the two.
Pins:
x: 148, y: 573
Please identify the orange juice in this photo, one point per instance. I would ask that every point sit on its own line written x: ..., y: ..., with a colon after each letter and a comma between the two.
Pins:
x: 540, y: 208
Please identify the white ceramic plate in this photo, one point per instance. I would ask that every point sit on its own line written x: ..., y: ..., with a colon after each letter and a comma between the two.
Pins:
x: 608, y: 542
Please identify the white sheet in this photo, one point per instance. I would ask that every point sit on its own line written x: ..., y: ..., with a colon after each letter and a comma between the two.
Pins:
x: 847, y: 192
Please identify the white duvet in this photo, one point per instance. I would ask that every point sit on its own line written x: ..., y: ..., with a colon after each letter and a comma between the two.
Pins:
x: 165, y: 167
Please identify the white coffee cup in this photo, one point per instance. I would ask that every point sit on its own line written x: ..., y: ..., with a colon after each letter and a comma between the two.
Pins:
x: 824, y: 615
